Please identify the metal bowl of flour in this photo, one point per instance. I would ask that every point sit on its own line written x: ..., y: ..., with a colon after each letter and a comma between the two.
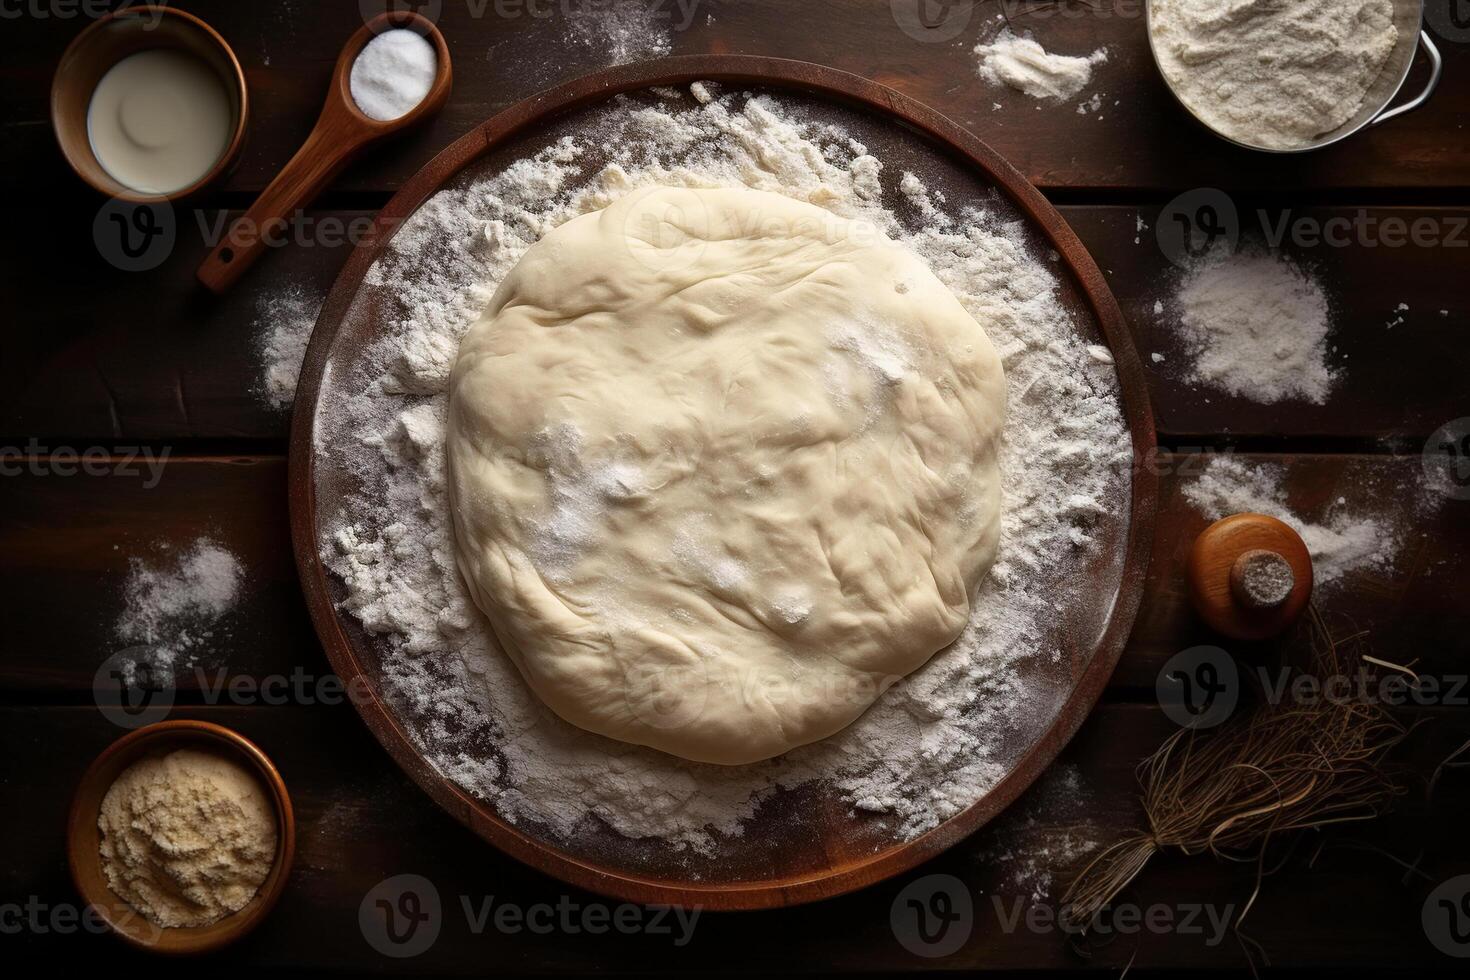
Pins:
x: 1408, y: 17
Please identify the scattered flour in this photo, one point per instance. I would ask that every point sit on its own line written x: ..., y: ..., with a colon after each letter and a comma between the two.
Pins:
x: 1046, y: 836
x: 283, y: 324
x: 1273, y: 73
x: 935, y: 742
x: 1256, y: 325
x: 624, y: 30
x: 1023, y: 64
x: 1344, y: 543
x: 1093, y: 104
x: 175, y: 607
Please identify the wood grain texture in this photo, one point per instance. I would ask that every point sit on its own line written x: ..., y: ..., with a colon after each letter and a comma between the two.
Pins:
x: 67, y: 543
x: 96, y: 357
x: 166, y: 361
x: 288, y: 53
x: 359, y: 820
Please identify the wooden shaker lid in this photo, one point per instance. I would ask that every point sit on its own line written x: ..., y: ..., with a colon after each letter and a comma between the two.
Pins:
x: 1249, y: 576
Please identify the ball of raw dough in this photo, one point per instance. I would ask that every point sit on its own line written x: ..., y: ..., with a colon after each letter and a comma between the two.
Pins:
x: 722, y: 469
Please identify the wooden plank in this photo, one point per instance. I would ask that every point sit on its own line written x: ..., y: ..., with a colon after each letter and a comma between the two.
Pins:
x: 504, y: 52
x: 67, y: 542
x: 360, y: 821
x: 167, y: 361
x: 149, y: 356
x: 1399, y: 373
x: 1412, y: 606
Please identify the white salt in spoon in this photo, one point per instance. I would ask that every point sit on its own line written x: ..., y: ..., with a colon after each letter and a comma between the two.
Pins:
x: 342, y: 131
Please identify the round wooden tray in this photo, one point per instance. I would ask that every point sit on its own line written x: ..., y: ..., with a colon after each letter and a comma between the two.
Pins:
x: 805, y: 845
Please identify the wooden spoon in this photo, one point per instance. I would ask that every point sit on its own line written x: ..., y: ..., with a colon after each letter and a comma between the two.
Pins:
x: 342, y: 132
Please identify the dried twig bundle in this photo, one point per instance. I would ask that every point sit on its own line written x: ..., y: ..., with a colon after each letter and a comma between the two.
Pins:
x: 1226, y: 792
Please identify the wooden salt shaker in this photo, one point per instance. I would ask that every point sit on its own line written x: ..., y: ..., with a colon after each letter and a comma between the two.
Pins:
x: 1250, y: 576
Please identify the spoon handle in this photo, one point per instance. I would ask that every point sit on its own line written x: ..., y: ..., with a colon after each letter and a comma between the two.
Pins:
x: 333, y: 144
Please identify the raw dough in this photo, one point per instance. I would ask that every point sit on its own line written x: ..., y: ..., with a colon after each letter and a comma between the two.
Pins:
x: 722, y: 469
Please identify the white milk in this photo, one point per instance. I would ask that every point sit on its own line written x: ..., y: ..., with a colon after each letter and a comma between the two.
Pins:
x: 159, y: 120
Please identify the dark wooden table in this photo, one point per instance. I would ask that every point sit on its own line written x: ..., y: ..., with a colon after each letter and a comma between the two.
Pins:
x: 96, y: 357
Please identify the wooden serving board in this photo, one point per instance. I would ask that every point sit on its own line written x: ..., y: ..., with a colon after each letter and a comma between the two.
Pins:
x: 804, y: 844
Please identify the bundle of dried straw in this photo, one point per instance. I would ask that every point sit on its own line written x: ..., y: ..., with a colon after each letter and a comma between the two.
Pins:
x: 1229, y: 791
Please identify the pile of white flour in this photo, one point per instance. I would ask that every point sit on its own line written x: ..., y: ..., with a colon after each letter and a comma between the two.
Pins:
x: 1256, y: 325
x: 933, y: 744
x: 1273, y: 73
x: 1023, y: 64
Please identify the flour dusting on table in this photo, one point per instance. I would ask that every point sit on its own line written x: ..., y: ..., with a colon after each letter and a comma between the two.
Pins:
x: 1044, y: 840
x: 284, y: 320
x: 174, y: 606
x: 927, y: 749
x: 1346, y: 541
x: 624, y: 30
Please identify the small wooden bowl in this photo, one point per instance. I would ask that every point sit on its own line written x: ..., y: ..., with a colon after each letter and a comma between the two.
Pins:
x: 84, y: 839
x: 125, y: 32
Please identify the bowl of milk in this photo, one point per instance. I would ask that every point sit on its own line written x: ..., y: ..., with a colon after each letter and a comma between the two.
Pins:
x: 149, y: 104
